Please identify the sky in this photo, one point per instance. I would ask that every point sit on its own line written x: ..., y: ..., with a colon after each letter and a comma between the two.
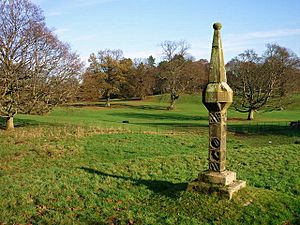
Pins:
x: 137, y: 27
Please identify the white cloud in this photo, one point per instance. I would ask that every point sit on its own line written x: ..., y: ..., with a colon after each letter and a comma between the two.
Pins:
x: 87, y: 37
x: 266, y: 34
x: 201, y: 52
x: 234, y: 44
x: 85, y: 59
x: 143, y: 54
x: 233, y: 41
x: 84, y: 3
x: 61, y: 31
x: 55, y: 13
x: 38, y: 2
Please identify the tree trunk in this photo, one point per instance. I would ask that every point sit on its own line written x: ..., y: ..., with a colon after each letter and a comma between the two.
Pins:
x: 174, y: 97
x: 107, y: 104
x: 251, y: 114
x: 10, y: 123
x: 172, y: 103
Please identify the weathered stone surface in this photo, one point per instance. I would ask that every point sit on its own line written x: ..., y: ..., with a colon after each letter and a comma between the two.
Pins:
x: 218, y: 92
x: 224, y: 178
x: 217, y: 97
x: 233, y: 188
x: 216, y: 189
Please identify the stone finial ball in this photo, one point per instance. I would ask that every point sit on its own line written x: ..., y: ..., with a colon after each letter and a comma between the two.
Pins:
x: 217, y: 26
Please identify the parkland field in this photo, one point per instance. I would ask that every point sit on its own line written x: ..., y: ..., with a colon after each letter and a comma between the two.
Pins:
x: 131, y: 163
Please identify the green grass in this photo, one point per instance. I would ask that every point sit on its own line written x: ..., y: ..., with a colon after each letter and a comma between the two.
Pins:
x: 82, y: 165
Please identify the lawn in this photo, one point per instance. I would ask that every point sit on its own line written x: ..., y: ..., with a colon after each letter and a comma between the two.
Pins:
x: 131, y: 163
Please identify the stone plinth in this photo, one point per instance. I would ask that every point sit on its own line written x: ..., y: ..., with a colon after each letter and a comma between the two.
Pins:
x: 217, y: 189
x: 224, y: 178
x: 222, y: 184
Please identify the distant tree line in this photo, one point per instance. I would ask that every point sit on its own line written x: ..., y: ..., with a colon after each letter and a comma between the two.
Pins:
x: 38, y: 71
x: 111, y: 75
x: 257, y: 81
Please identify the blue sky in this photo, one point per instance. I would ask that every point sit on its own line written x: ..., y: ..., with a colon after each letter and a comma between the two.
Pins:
x: 138, y: 26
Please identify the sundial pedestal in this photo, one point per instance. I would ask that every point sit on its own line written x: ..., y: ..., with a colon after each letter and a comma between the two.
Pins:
x: 217, y: 97
x: 222, y: 184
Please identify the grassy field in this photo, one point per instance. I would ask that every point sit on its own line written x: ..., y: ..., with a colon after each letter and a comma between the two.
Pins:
x: 81, y: 164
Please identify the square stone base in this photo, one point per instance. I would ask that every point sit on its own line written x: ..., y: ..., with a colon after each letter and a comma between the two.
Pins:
x: 224, y: 178
x: 220, y: 183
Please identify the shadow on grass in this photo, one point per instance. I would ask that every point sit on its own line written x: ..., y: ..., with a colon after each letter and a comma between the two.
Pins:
x: 265, y: 129
x: 161, y: 116
x: 166, y: 188
x: 18, y: 122
x: 79, y: 105
x: 143, y: 107
x: 117, y: 105
x: 175, y: 127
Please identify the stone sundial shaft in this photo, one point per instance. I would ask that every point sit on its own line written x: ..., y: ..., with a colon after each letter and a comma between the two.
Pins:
x: 217, y: 97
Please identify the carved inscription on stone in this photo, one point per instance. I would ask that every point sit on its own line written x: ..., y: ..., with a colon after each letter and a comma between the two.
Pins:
x: 216, y: 148
x: 214, y: 117
x: 215, y: 142
x: 214, y: 166
x: 215, y: 155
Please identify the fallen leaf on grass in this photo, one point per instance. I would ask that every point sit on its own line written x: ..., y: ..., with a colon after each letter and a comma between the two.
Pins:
x: 247, y: 203
x: 130, y: 222
x: 119, y: 202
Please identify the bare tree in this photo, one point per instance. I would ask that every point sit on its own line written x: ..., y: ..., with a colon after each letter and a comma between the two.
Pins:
x: 257, y: 80
x: 37, y: 71
x: 284, y: 65
x: 172, y: 48
x: 173, y: 70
